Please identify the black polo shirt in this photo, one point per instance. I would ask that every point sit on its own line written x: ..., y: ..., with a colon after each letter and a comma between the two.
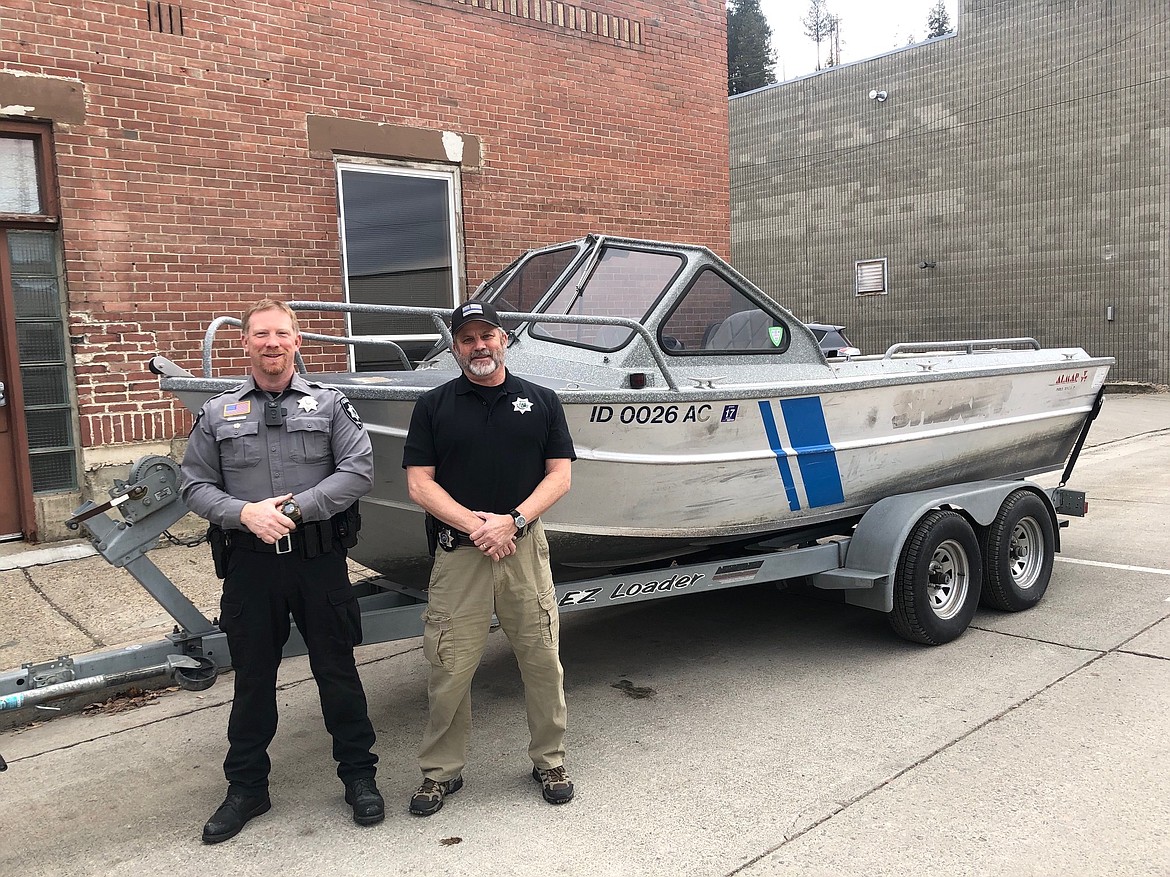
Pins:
x: 488, y: 444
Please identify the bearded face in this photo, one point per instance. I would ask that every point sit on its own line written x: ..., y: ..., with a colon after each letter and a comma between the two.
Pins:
x: 479, y: 349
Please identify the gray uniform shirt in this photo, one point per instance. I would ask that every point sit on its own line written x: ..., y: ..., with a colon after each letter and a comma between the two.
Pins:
x: 320, y: 453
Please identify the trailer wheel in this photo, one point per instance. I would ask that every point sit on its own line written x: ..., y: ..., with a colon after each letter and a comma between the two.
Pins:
x: 1018, y: 549
x: 937, y: 582
x: 197, y: 678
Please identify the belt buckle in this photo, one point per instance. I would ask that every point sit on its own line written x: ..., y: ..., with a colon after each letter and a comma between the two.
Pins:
x: 286, y: 539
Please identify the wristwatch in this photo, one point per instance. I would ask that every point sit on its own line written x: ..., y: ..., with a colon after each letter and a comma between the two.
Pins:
x: 291, y: 510
x: 518, y: 519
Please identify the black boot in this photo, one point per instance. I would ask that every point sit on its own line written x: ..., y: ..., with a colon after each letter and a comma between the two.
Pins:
x: 366, y: 800
x: 236, y: 809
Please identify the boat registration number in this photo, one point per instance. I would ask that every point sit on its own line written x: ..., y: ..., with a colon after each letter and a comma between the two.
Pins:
x: 644, y: 414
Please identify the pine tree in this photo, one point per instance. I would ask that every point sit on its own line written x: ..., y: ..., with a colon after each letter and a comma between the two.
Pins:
x: 818, y: 24
x: 751, y: 61
x: 938, y: 21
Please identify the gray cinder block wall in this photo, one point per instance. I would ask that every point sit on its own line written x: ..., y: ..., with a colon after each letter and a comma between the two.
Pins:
x: 1027, y: 158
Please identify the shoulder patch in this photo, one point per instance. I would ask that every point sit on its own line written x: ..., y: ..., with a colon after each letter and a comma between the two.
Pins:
x: 351, y: 412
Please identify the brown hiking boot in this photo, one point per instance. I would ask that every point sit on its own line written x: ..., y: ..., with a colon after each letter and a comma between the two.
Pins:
x: 429, y: 797
x: 555, y: 784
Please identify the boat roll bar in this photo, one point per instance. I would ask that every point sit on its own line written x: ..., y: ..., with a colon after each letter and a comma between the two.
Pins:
x: 438, y: 316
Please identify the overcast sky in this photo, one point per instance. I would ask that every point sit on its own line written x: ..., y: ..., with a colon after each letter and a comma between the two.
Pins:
x: 868, y: 28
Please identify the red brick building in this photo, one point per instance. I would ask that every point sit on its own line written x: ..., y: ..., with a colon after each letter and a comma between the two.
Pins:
x: 161, y: 164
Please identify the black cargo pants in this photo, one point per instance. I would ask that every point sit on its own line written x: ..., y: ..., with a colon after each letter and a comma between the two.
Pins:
x: 260, y: 590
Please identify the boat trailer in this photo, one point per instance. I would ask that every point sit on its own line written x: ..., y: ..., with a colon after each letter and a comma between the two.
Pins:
x: 918, y: 557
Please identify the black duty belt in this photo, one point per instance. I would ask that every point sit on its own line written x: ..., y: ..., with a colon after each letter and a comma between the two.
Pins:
x: 309, y: 540
x: 450, y: 538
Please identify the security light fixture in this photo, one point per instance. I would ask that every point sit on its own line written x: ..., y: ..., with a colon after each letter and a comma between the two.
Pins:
x: 878, y: 96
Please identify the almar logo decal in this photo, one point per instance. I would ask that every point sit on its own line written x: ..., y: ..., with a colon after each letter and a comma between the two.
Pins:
x: 776, y: 333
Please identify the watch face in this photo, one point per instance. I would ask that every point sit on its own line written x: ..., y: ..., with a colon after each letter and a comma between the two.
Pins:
x: 519, y: 519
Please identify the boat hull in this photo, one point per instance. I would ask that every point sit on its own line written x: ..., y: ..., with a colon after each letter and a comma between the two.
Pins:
x: 676, y: 474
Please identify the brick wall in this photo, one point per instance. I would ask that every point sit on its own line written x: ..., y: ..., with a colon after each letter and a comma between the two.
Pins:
x: 189, y: 190
x: 1027, y: 157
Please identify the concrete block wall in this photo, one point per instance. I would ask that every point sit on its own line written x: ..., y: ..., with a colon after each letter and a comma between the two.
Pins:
x: 1027, y: 157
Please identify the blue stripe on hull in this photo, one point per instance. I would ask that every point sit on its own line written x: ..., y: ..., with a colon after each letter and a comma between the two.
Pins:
x: 805, y: 421
x: 816, y: 458
x: 781, y: 458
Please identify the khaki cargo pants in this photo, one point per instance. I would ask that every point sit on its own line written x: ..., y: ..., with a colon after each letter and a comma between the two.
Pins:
x: 465, y: 588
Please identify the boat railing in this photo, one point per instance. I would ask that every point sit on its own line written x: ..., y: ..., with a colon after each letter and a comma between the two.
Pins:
x: 984, y: 345
x: 438, y: 316
x: 209, y: 339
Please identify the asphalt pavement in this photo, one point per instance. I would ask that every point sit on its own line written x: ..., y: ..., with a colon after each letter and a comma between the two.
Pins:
x: 750, y: 731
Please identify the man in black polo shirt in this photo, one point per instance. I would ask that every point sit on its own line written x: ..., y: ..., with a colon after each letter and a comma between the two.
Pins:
x: 486, y: 455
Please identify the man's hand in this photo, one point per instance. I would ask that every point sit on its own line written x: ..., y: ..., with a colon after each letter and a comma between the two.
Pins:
x: 496, y: 536
x: 263, y: 518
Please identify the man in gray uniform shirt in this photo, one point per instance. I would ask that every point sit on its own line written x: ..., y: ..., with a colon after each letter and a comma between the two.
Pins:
x: 277, y: 466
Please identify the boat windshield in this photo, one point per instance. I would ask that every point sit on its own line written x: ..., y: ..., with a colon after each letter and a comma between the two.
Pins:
x: 616, y: 282
x: 527, y: 286
x: 715, y: 317
x: 520, y: 289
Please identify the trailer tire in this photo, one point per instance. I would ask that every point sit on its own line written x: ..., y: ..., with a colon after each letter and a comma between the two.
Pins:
x: 1018, y: 550
x: 938, y: 579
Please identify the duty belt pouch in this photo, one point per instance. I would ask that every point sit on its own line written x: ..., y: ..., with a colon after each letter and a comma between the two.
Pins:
x: 220, y: 549
x: 346, y: 526
x: 315, y: 539
x: 432, y: 526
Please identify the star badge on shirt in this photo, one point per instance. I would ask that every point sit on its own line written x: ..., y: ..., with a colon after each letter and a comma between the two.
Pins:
x: 521, y: 406
x: 307, y: 403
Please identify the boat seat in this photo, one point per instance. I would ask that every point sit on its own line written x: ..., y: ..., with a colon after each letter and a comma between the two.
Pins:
x: 745, y: 330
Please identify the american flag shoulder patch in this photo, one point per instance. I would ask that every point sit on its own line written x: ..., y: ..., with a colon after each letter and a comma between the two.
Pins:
x: 237, y: 409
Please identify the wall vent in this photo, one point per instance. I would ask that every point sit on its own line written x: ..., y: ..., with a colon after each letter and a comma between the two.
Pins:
x: 621, y: 30
x: 164, y: 17
x: 871, y: 277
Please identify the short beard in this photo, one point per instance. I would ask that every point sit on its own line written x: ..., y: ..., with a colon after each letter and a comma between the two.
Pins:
x: 479, y: 368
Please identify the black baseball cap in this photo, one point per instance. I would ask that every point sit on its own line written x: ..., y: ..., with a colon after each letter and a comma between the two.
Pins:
x: 471, y: 311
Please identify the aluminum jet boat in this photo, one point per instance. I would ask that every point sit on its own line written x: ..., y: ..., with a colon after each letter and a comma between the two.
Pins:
x: 705, y: 416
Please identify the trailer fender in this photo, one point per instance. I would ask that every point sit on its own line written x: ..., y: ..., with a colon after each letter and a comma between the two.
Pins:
x: 873, y: 551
